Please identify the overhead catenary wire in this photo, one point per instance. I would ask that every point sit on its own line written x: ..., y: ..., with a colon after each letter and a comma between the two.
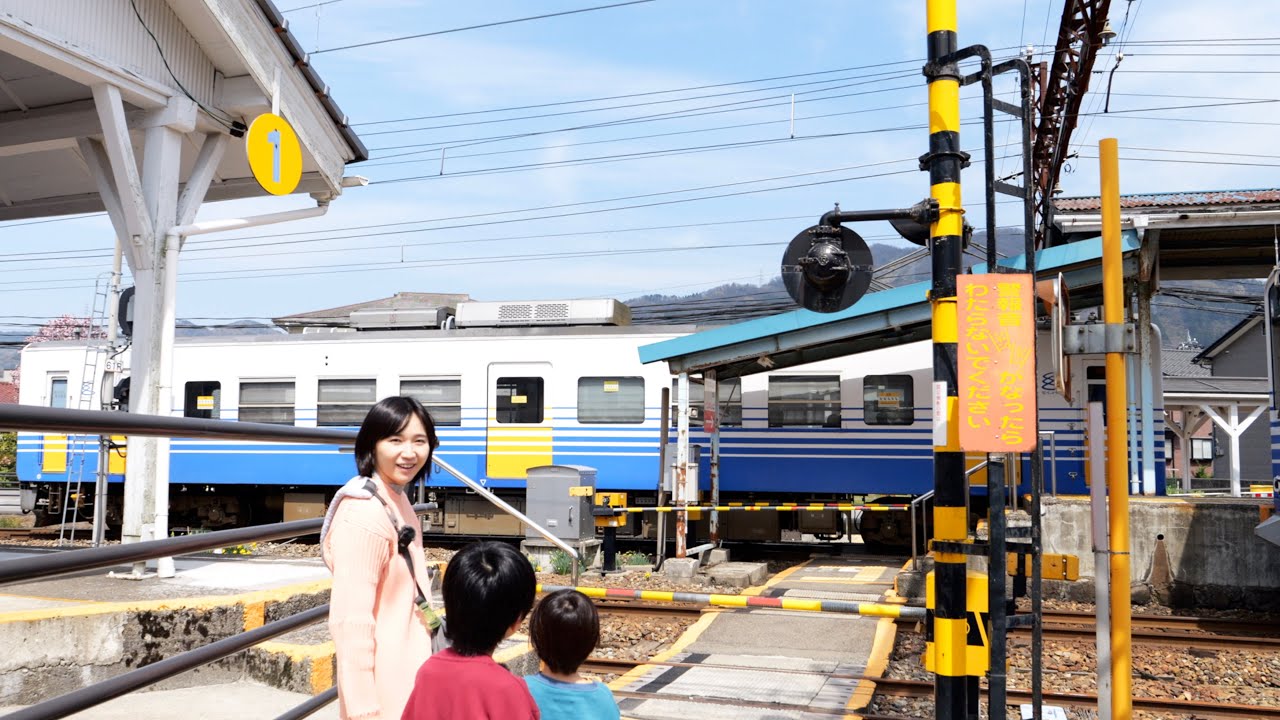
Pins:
x: 496, y: 23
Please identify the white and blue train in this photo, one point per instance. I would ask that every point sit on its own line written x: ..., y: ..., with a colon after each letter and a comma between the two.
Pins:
x: 510, y: 398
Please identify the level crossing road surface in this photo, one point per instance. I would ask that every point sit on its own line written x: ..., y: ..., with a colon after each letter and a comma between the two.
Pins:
x: 195, y: 575
x: 757, y: 663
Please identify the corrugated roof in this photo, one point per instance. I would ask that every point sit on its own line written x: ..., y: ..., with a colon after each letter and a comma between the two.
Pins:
x: 1173, y: 200
x: 1216, y: 386
x: 399, y: 301
x: 1175, y: 362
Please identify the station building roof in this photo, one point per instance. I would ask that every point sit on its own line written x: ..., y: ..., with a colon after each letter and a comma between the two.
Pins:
x: 895, y: 316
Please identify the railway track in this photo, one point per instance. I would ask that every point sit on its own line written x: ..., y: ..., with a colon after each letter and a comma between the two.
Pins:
x: 631, y: 607
x: 1181, y: 708
x: 7, y: 534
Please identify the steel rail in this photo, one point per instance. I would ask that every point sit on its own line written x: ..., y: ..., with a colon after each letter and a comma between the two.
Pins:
x: 1159, y: 638
x: 70, y: 561
x: 84, y: 698
x: 646, y: 609
x: 1180, y: 708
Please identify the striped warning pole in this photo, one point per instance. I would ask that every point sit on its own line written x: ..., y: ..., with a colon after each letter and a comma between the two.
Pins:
x: 950, y: 523
x: 846, y: 607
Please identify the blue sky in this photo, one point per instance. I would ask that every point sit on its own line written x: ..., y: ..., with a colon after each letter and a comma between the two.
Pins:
x: 477, y: 228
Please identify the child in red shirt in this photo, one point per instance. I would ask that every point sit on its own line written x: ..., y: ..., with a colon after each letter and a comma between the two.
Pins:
x: 488, y: 590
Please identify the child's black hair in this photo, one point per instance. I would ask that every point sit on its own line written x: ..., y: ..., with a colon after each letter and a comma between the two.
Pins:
x: 565, y: 629
x: 488, y: 587
x: 388, y: 418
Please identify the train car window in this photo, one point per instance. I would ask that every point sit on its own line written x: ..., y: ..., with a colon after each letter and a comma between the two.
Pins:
x: 730, y: 396
x: 441, y: 396
x: 519, y: 399
x: 267, y: 402
x: 202, y: 399
x: 344, y: 403
x: 804, y: 401
x: 611, y: 400
x: 888, y: 400
x: 1095, y: 377
x: 58, y: 392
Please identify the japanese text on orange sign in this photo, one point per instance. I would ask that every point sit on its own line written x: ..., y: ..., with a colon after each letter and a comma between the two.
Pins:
x: 996, y: 353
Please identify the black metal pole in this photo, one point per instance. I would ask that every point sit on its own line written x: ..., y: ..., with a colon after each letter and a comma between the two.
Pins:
x: 610, y: 548
x: 997, y: 678
x: 96, y: 694
x: 101, y: 422
x: 43, y: 566
x: 310, y: 706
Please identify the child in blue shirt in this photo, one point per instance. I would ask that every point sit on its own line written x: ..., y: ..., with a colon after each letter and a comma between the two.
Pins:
x: 564, y: 629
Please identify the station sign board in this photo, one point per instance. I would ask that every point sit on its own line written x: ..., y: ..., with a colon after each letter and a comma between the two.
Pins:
x: 996, y: 351
x: 275, y: 156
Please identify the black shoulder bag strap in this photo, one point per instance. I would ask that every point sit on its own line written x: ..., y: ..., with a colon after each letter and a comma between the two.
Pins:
x: 404, y: 539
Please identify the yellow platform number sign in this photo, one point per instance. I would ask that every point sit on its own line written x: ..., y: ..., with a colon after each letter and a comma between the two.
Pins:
x: 275, y: 157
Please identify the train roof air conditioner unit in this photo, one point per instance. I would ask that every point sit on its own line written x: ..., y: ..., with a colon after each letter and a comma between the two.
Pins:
x: 543, y: 313
x: 407, y: 319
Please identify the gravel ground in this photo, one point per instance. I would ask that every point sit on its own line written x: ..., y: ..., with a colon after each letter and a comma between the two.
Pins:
x: 1245, y: 678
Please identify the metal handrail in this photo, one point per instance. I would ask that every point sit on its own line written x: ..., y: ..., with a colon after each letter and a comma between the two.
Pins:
x: 310, y: 706
x: 101, y: 422
x: 98, y: 693
x: 915, y: 557
x: 43, y: 566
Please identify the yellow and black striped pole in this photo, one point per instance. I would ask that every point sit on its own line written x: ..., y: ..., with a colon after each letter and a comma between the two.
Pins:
x: 950, y: 523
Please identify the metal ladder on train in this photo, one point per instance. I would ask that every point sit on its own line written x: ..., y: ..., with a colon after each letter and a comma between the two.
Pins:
x: 89, y: 381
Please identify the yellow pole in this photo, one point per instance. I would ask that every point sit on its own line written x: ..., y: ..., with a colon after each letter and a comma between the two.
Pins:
x: 950, y: 521
x: 1117, y: 436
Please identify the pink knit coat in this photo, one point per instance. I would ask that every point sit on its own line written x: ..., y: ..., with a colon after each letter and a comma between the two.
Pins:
x: 376, y: 628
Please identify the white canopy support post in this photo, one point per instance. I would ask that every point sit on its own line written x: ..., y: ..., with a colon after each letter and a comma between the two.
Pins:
x: 1234, y: 428
x: 201, y: 176
x: 124, y: 170
x: 99, y: 166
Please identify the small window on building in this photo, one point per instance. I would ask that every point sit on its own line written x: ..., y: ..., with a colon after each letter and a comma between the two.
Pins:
x: 202, y: 399
x: 1201, y: 448
x: 1168, y: 448
x: 804, y: 401
x: 611, y: 400
x: 58, y: 392
x: 519, y: 400
x: 728, y: 391
x: 441, y: 396
x: 344, y: 403
x: 888, y: 400
x: 267, y: 402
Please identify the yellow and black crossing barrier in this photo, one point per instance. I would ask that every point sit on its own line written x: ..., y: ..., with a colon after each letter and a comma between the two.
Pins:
x: 811, y: 507
x: 847, y: 607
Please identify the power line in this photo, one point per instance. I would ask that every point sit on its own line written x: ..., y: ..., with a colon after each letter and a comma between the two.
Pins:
x: 482, y: 25
x: 308, y: 7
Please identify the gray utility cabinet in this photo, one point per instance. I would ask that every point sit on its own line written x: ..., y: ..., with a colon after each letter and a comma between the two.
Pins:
x: 549, y: 503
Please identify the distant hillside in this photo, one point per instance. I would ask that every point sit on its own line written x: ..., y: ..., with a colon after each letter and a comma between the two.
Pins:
x: 11, y: 344
x: 1177, y: 317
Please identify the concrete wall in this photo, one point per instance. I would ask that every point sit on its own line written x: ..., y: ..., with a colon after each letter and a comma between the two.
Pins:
x: 1245, y: 357
x: 1213, y: 557
x: 52, y: 652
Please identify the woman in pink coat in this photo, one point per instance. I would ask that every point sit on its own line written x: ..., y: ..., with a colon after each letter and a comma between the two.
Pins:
x: 371, y: 543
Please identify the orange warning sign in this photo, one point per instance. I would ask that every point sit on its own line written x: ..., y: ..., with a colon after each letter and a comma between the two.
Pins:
x: 997, y: 370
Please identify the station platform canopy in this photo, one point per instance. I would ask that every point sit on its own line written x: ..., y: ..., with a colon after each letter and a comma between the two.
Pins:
x: 889, y: 317
x: 75, y: 76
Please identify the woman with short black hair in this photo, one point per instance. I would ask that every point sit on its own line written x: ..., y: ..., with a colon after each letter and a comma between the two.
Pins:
x: 379, y: 609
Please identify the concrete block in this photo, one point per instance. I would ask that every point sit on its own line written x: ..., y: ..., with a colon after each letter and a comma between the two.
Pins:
x: 717, y: 556
x: 910, y: 584
x: 738, y: 574
x: 540, y: 553
x: 680, y: 568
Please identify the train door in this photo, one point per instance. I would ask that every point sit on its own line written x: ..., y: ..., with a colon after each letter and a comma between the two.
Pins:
x: 54, y: 457
x: 519, y: 425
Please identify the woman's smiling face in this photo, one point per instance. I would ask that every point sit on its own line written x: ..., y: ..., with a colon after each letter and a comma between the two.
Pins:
x: 400, y: 456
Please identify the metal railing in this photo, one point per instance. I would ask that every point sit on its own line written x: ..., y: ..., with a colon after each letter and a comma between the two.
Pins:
x: 42, y: 566
x: 98, y: 422
x: 1053, y: 460
x: 34, y: 418
x: 920, y: 501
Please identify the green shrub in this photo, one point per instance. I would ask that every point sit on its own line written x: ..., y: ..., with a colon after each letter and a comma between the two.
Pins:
x: 632, y: 557
x: 561, y: 563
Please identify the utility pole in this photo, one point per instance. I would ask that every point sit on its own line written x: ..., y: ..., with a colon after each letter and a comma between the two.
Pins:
x: 950, y: 521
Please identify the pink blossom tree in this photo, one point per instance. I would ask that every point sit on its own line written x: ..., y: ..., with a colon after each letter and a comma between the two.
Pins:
x: 65, y: 327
